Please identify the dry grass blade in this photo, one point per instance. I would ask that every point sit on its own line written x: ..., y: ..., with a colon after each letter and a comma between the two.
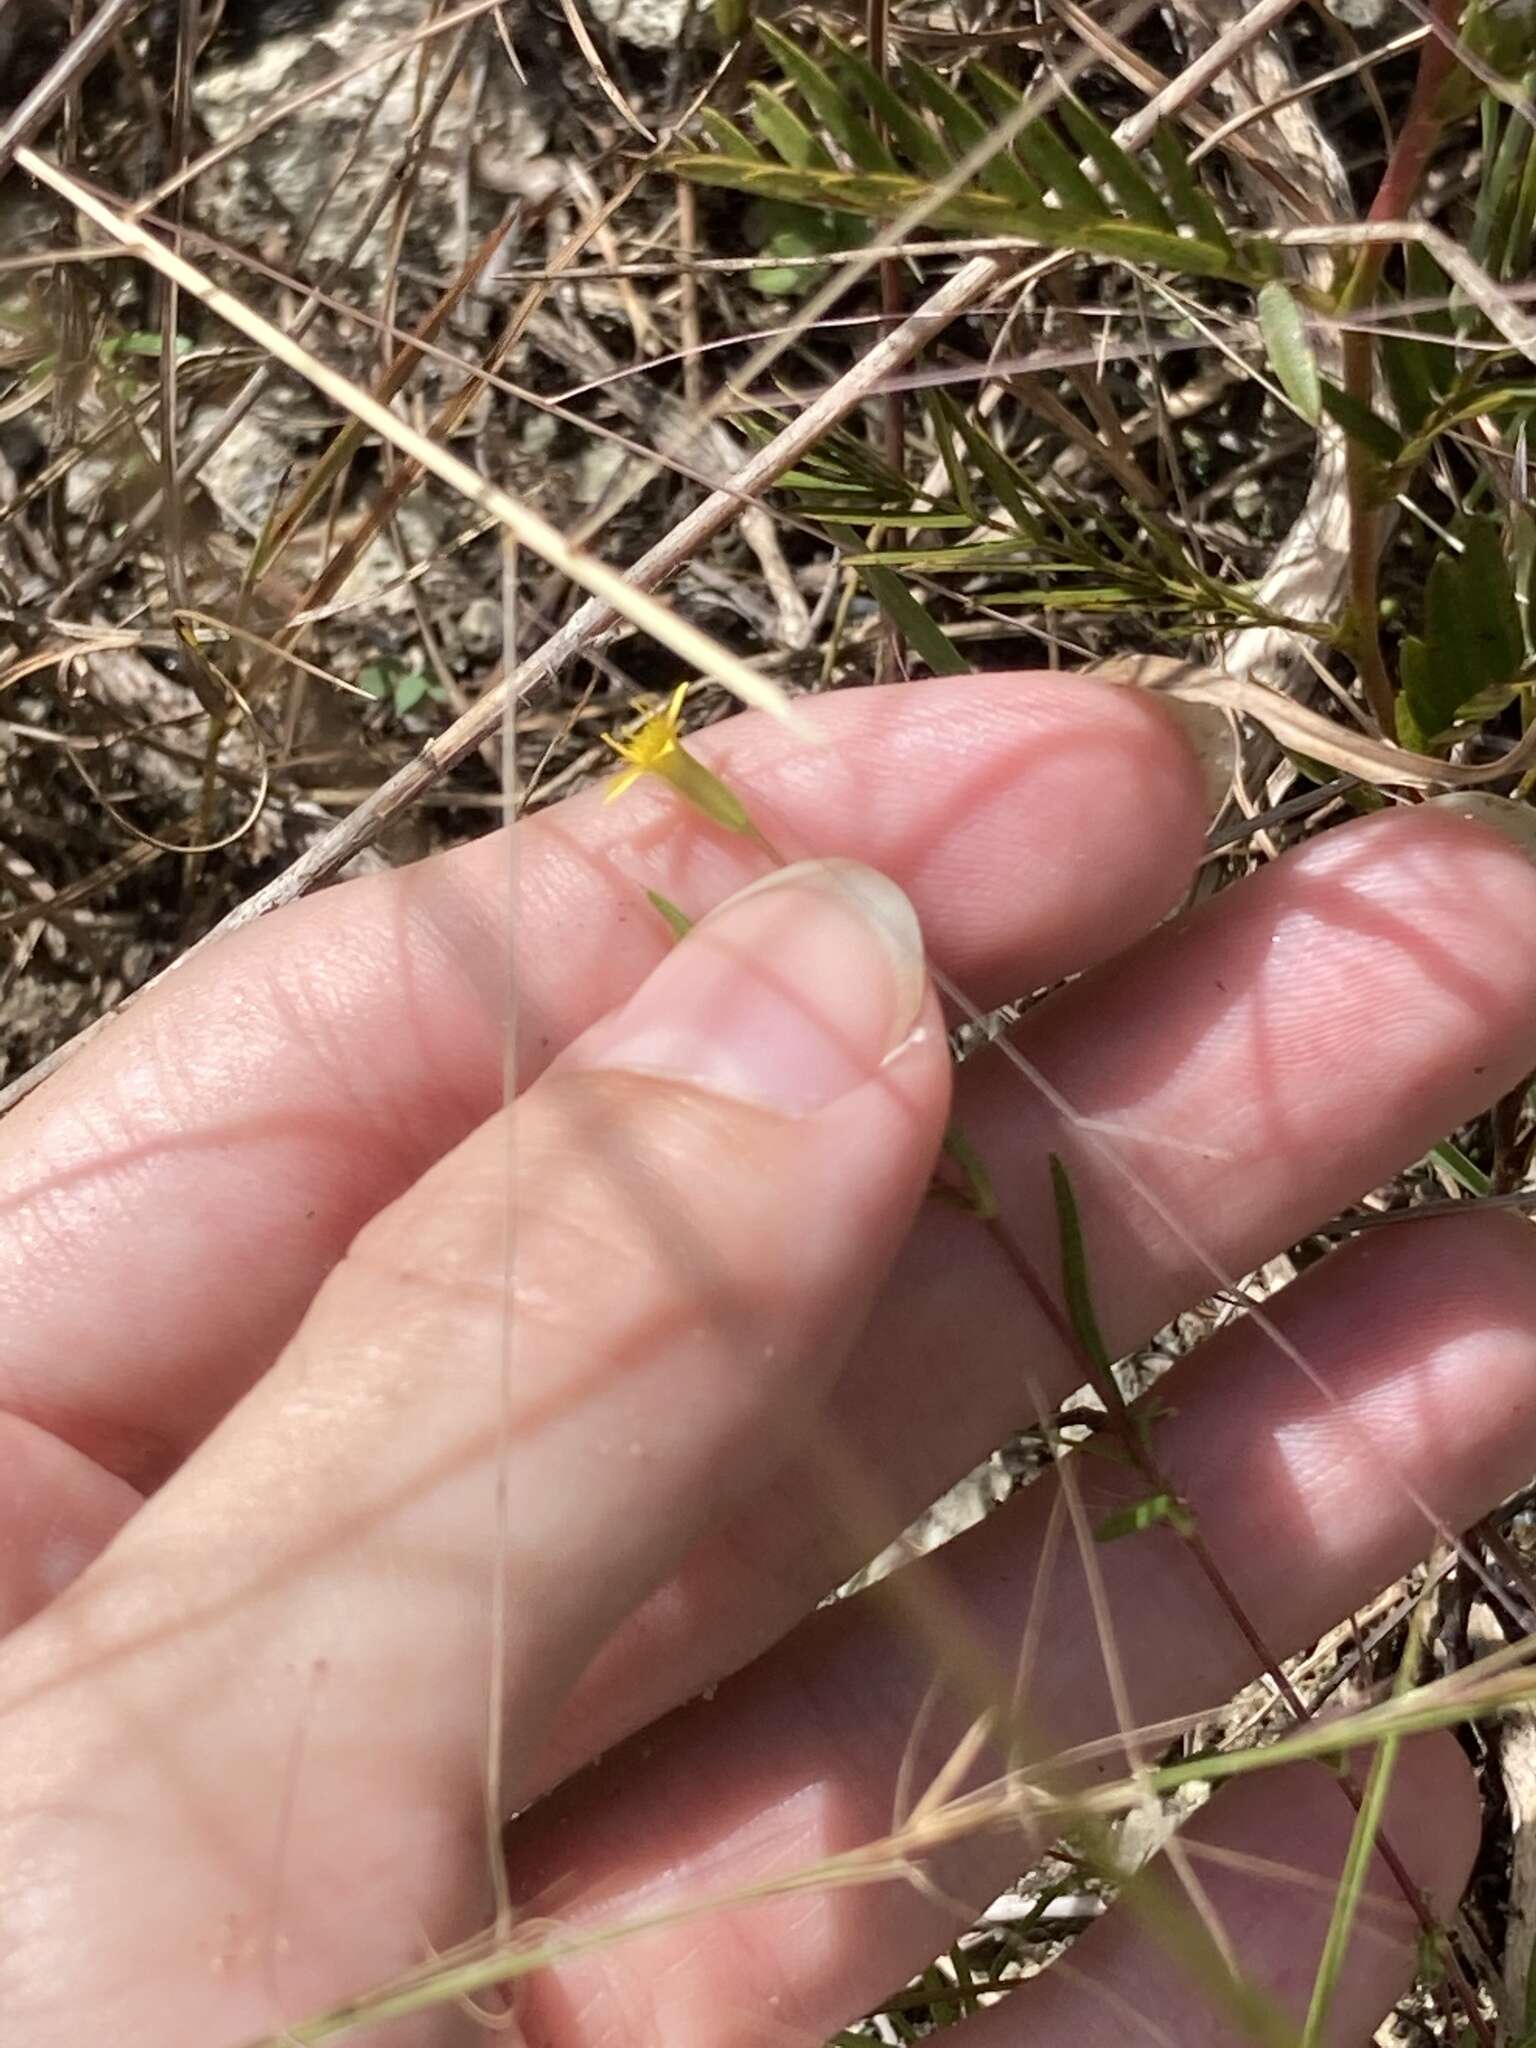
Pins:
x: 1361, y: 754
x: 77, y: 57
x: 526, y: 526
x: 583, y: 632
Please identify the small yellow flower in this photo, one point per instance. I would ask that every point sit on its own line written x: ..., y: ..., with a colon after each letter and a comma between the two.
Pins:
x: 655, y: 748
x: 647, y: 749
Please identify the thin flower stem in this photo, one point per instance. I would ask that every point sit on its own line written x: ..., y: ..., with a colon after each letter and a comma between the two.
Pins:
x: 1400, y: 181
x: 1121, y: 1419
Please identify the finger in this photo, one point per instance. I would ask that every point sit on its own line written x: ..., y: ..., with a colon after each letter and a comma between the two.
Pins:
x: 1268, y: 1854
x: 316, y: 1579
x: 1297, y: 1042
x: 1425, y: 1339
x: 287, y: 1084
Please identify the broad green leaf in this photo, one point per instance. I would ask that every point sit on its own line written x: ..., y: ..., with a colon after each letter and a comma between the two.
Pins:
x: 1472, y: 639
x: 781, y: 231
x: 1284, y: 327
x: 1413, y: 673
x: 1362, y: 424
x: 1502, y: 33
x: 410, y: 688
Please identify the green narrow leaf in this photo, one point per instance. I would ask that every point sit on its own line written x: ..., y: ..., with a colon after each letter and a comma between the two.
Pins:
x: 1362, y: 424
x: 785, y: 132
x: 1362, y: 1843
x: 1130, y: 242
x: 1037, y: 146
x: 982, y: 1199
x: 1058, y: 169
x: 1075, y: 1288
x: 914, y: 141
x: 1515, y: 256
x: 998, y: 472
x: 829, y: 103
x: 678, y: 922
x: 966, y: 130
x: 1429, y: 291
x: 941, y: 411
x: 727, y: 136
x: 863, y: 192
x: 881, y: 196
x: 1284, y: 328
x: 1120, y: 172
x: 1504, y: 160
x: 1406, y: 373
x: 1191, y: 202
x: 1464, y: 1171
x: 912, y: 618
x: 1157, y: 1510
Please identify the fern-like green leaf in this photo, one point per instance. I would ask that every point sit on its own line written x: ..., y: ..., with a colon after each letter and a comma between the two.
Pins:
x: 915, y: 143
x: 1119, y: 170
x: 830, y: 103
x: 785, y: 132
x: 876, y: 148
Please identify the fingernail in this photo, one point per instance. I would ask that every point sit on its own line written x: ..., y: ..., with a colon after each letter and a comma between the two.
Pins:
x: 1213, y: 742
x: 1517, y: 822
x: 790, y: 995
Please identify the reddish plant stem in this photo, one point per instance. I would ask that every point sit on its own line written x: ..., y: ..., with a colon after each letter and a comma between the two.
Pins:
x: 888, y: 660
x: 1400, y: 181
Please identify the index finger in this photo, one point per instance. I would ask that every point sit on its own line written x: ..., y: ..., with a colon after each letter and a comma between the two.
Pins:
x: 169, y: 1204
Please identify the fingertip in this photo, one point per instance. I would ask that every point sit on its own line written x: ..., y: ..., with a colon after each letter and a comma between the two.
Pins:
x: 1434, y: 1818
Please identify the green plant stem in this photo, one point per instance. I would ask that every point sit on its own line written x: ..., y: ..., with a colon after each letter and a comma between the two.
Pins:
x: 1400, y: 180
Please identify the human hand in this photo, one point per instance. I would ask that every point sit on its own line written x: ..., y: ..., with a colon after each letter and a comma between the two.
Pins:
x: 254, y: 1256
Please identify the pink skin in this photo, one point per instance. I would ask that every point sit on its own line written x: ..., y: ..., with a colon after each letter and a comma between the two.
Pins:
x: 315, y: 1578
